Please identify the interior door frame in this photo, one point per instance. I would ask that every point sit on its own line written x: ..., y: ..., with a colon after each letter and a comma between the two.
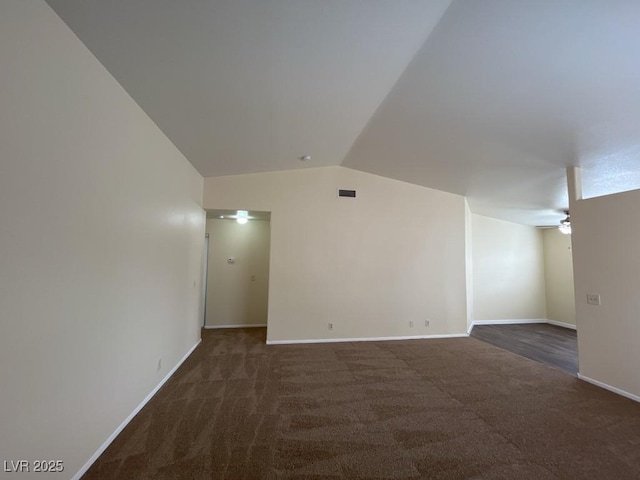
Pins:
x: 205, y: 275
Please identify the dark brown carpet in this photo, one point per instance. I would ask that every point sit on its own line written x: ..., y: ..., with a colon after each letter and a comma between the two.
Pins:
x: 550, y: 344
x: 441, y: 409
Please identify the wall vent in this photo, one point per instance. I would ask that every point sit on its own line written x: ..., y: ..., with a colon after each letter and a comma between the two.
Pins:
x: 346, y: 193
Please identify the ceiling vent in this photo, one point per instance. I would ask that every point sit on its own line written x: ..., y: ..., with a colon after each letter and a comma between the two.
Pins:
x: 346, y: 193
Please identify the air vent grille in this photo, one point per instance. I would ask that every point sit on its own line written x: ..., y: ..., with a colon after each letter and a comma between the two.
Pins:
x: 347, y: 193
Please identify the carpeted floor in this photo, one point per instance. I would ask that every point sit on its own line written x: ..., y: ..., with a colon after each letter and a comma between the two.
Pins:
x: 436, y: 409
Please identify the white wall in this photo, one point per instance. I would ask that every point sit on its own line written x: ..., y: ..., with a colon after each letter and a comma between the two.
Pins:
x: 237, y: 293
x: 371, y: 265
x: 468, y: 249
x: 558, y: 274
x: 508, y: 270
x: 606, y: 262
x: 100, y: 246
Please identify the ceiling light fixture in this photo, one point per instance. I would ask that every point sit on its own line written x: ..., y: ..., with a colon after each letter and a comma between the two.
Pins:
x: 242, y: 217
x: 565, y: 225
x: 305, y: 158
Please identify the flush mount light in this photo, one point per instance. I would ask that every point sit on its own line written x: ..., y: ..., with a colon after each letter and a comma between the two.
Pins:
x: 305, y: 158
x: 242, y: 217
x: 565, y: 225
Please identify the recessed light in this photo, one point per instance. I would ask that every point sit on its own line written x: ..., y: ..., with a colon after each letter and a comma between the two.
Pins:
x: 221, y: 216
x: 305, y: 158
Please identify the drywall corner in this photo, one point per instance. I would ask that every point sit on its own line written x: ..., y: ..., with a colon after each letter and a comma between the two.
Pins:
x: 468, y: 258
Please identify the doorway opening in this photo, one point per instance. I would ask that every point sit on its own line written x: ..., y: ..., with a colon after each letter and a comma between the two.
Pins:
x: 552, y: 339
x: 237, y: 269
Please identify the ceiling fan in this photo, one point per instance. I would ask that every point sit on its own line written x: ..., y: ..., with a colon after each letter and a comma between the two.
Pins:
x: 565, y: 224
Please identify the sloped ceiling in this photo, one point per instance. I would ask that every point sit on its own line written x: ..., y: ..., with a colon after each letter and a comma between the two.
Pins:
x: 490, y: 99
x: 243, y: 86
x: 504, y: 95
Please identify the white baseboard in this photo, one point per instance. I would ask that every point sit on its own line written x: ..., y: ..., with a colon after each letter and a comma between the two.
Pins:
x: 619, y: 391
x: 365, y: 339
x: 561, y: 324
x: 251, y: 325
x: 117, y: 431
x: 514, y: 321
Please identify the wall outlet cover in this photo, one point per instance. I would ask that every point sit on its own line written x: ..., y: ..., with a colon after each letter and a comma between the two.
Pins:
x: 593, y: 299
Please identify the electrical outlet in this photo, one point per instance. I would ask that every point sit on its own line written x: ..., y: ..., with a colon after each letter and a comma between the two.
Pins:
x: 427, y: 322
x: 159, y: 364
x: 330, y: 326
x: 593, y: 299
x: 411, y: 324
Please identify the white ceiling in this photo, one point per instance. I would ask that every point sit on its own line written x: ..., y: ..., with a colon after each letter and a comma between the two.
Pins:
x: 244, y: 86
x: 491, y: 99
x: 504, y: 95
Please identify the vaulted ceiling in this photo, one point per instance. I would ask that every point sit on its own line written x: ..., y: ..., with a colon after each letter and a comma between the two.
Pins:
x: 490, y: 99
